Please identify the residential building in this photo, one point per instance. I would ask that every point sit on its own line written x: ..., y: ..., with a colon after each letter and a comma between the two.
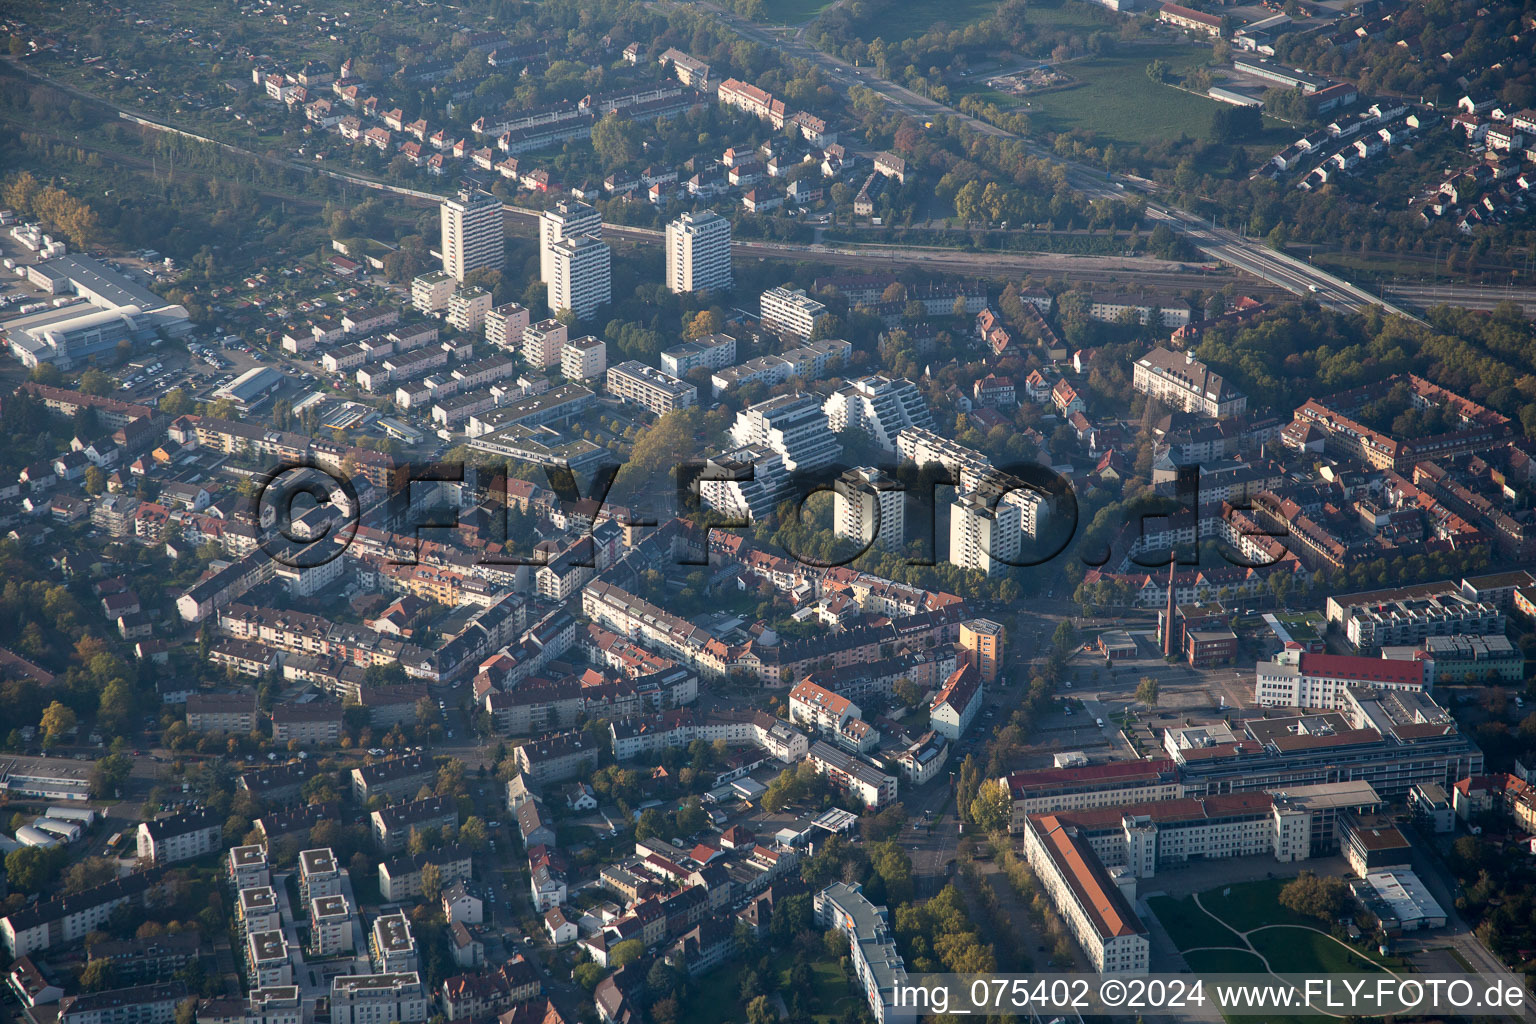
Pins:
x: 790, y: 309
x: 580, y: 275
x: 330, y: 926
x: 872, y: 948
x: 699, y: 253
x: 467, y: 308
x: 379, y: 999
x: 713, y: 352
x: 141, y: 1004
x: 820, y: 708
x: 392, y: 825
x: 391, y: 947
x: 392, y: 777
x: 794, y: 427
x: 650, y: 388
x: 583, y: 358
x: 983, y: 538
x: 858, y: 778
x: 543, y: 343
x: 957, y: 703
x: 504, y: 325
x: 869, y: 507
x: 221, y: 713
x: 879, y: 406
x: 981, y: 644
x: 567, y: 219
x: 473, y: 235
x: 430, y: 292
x: 180, y: 837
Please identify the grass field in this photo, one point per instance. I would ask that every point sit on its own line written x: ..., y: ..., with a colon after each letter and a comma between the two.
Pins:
x: 1291, y: 951
x: 1223, y: 961
x: 1115, y: 99
x: 1188, y: 926
x: 1252, y: 905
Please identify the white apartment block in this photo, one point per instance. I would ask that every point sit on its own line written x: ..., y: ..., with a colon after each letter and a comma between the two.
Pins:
x: 699, y: 253
x: 473, y: 234
x: 583, y: 358
x: 330, y: 925
x: 649, y: 387
x: 922, y: 446
x: 786, y: 309
x: 267, y: 959
x: 870, y: 507
x: 580, y: 275
x: 744, y: 483
x: 179, y: 837
x: 871, y: 948
x: 985, y: 540
x: 543, y: 342
x: 567, y: 219
x: 504, y: 325
x: 430, y: 292
x: 794, y: 426
x: 378, y: 999
x: 1294, y: 679
x: 880, y: 407
x: 712, y: 352
x: 467, y: 308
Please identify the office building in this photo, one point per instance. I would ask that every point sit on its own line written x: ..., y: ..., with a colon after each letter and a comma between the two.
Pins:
x: 1090, y: 902
x: 699, y: 253
x: 568, y: 219
x: 869, y: 507
x: 792, y: 425
x: 580, y: 270
x: 1296, y: 679
x: 1180, y: 381
x: 473, y: 236
x: 790, y: 309
x: 1046, y: 790
x: 650, y: 388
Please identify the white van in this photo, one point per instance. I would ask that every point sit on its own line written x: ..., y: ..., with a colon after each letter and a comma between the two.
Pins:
x: 1099, y: 722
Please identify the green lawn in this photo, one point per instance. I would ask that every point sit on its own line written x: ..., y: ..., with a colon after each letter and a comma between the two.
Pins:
x: 830, y: 995
x: 1223, y: 961
x: 1188, y: 925
x: 1292, y: 951
x: 1252, y: 905
x: 1114, y: 99
x: 715, y: 999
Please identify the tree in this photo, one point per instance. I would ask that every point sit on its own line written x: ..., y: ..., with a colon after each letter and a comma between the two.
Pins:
x: 1325, y: 898
x: 1146, y: 691
x: 58, y: 720
x: 907, y: 692
x: 1065, y: 636
x: 431, y: 881
x: 95, y: 480
x: 589, y: 974
x: 89, y: 873
x: 616, y: 140
x: 95, y: 382
x: 625, y: 952
x: 705, y: 322
x: 992, y: 809
x: 650, y: 825
x: 97, y: 976
x: 1159, y: 71
x: 473, y: 832
x: 760, y: 1011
